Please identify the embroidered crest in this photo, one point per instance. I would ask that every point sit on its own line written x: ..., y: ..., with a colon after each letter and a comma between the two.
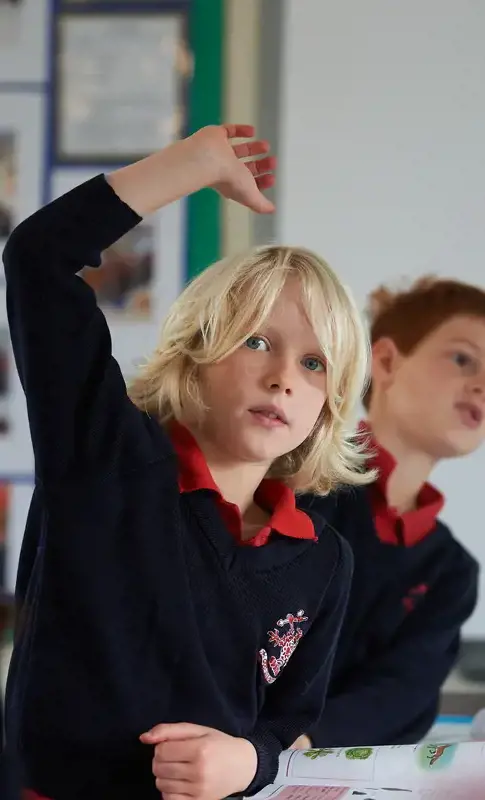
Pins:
x: 286, y: 643
x: 412, y: 598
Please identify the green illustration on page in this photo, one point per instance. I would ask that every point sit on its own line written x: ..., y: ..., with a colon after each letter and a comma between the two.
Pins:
x: 436, y: 756
x: 318, y: 752
x: 359, y: 753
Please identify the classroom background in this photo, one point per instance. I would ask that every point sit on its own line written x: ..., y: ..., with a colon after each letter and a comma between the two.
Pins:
x: 376, y: 111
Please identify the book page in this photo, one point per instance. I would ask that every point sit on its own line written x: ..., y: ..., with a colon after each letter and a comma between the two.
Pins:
x: 329, y: 793
x: 457, y: 792
x: 398, y: 767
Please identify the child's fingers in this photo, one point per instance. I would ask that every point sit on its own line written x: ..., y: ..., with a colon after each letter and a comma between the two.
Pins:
x: 239, y: 131
x: 262, y: 166
x: 167, y: 795
x: 248, y: 149
x: 263, y: 205
x: 173, y: 731
x: 170, y: 770
x: 265, y: 182
x: 181, y: 752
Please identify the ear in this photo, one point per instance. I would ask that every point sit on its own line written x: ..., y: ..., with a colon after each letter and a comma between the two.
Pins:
x: 386, y: 360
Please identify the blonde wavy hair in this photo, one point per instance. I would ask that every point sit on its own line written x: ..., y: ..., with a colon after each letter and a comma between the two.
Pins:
x: 226, y: 304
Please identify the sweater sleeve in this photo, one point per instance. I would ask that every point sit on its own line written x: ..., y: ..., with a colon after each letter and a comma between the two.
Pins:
x: 295, y: 701
x: 395, y: 697
x: 76, y: 398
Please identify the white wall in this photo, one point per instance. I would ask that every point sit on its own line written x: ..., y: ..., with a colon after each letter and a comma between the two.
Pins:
x: 382, y: 165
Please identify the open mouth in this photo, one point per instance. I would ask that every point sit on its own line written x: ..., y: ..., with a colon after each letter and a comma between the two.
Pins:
x: 471, y: 415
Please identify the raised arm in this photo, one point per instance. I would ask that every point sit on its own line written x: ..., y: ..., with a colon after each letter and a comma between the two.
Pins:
x: 75, y: 392
x: 78, y: 410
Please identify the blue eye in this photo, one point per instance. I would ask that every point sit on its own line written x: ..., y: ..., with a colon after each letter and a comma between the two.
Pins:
x: 257, y: 343
x: 314, y: 364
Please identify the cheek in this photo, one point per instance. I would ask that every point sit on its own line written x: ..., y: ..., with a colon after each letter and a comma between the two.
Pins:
x: 211, y: 380
x: 433, y: 383
x: 223, y: 381
x: 310, y: 407
x: 417, y: 396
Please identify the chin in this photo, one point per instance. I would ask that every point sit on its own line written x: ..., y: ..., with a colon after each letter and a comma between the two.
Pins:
x: 460, y: 444
x: 258, y: 451
x: 257, y: 447
x: 258, y: 455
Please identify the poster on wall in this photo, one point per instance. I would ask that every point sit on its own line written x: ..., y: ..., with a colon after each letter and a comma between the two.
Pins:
x: 5, y: 351
x: 124, y: 282
x: 15, y: 496
x: 120, y: 85
x: 21, y: 183
x: 8, y: 182
x: 23, y: 40
x: 21, y: 165
x: 4, y: 515
x: 10, y: 23
x: 140, y: 275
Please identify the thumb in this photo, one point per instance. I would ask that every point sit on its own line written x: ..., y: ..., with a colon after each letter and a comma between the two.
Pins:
x: 263, y: 205
x: 173, y: 732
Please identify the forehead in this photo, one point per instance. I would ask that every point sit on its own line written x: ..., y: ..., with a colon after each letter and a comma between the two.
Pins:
x: 288, y: 317
x: 289, y: 314
x: 460, y: 329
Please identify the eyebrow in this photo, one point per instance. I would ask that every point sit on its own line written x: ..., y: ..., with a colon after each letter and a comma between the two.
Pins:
x: 464, y: 340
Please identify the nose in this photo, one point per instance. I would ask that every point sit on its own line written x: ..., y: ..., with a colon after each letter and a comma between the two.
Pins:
x: 280, y: 379
x: 478, y: 385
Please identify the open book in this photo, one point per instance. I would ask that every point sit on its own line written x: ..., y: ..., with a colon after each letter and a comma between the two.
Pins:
x: 402, y: 772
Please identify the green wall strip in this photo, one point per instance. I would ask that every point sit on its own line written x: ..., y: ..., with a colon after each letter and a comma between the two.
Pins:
x: 205, y: 108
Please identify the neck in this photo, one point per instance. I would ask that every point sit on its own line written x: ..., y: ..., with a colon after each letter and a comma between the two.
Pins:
x: 413, y: 466
x: 237, y: 480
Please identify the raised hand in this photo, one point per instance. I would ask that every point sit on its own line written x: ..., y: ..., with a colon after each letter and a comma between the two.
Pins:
x: 241, y: 181
x: 198, y: 762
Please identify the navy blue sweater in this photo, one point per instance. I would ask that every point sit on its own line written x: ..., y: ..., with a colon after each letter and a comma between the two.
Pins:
x: 401, y: 635
x: 138, y: 607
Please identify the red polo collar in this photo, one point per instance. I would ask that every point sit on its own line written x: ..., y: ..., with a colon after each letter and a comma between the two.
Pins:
x: 279, y: 499
x: 413, y: 525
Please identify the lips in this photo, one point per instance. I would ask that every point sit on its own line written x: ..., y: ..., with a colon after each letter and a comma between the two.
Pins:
x: 470, y: 414
x: 272, y: 412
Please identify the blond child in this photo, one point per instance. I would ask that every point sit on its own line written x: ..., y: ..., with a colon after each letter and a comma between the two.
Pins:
x: 179, y: 614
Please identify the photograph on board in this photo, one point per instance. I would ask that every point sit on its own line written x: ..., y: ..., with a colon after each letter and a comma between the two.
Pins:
x: 4, y: 381
x: 123, y: 282
x: 121, y: 85
x: 7, y: 183
x: 4, y: 512
x: 10, y: 22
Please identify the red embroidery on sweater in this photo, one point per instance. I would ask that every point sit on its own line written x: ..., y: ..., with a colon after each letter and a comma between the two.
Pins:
x: 287, y: 645
x: 410, y: 601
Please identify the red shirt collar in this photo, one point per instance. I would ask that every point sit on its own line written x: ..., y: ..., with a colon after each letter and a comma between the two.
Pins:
x: 413, y: 525
x: 279, y: 499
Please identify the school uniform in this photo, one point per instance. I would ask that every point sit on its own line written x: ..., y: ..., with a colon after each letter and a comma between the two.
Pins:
x: 139, y: 605
x: 414, y: 586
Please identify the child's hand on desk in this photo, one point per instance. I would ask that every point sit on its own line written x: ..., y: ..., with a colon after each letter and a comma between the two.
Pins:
x: 302, y: 743
x: 205, y: 764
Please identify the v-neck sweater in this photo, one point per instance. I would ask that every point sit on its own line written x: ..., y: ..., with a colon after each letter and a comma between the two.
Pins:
x: 137, y: 605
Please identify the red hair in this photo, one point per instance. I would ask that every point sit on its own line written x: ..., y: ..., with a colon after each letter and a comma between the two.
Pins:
x: 407, y: 317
